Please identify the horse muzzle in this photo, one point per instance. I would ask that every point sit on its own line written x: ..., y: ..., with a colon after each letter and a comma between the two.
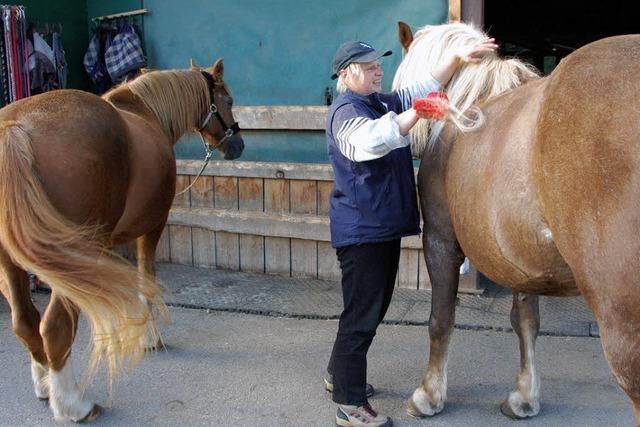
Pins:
x: 234, y: 148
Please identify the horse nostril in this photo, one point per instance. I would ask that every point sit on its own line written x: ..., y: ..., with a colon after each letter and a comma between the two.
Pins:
x: 234, y: 149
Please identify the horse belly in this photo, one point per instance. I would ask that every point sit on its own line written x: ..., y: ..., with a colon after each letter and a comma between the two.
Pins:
x: 151, y: 182
x: 494, y: 204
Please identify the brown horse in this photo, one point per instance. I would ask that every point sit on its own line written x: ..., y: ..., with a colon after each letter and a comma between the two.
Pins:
x: 543, y: 198
x: 78, y: 175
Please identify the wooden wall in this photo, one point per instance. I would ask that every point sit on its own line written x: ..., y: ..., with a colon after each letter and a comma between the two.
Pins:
x: 266, y: 218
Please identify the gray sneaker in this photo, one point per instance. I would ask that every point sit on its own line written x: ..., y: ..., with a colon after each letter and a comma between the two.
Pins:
x: 361, y: 416
x: 328, y: 385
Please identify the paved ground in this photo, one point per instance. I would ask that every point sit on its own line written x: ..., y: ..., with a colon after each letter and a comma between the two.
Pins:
x: 318, y: 299
x: 233, y: 362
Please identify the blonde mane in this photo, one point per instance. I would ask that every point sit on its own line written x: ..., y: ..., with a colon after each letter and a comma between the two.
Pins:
x: 178, y: 98
x: 471, y: 85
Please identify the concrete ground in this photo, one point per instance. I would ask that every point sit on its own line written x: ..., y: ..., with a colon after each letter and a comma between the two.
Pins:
x: 237, y: 361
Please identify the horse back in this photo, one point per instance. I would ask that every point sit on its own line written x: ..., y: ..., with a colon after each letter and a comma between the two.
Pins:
x: 587, y: 159
x: 493, y: 199
x: 80, y: 152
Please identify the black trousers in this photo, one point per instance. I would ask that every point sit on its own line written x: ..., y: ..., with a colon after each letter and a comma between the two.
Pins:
x: 368, y: 278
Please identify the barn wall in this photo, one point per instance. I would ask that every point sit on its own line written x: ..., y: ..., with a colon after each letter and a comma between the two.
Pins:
x: 276, y: 53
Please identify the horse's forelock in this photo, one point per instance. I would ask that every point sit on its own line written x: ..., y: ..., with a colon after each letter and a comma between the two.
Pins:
x: 471, y: 85
x: 178, y: 98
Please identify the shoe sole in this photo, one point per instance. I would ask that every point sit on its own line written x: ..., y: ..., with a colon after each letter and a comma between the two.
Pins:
x: 346, y: 423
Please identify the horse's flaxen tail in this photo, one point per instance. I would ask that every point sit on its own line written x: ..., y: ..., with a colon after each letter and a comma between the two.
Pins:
x: 70, y: 259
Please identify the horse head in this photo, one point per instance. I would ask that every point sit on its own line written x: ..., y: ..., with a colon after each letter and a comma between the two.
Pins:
x: 471, y: 85
x: 219, y: 129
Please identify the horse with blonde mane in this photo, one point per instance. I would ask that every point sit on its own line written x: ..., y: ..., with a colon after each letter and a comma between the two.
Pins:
x: 543, y: 197
x: 78, y: 175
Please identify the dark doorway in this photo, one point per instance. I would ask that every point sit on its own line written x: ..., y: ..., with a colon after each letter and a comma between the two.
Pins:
x: 544, y: 31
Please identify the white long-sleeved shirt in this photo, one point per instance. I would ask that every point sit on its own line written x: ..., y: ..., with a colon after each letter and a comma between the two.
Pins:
x: 362, y: 138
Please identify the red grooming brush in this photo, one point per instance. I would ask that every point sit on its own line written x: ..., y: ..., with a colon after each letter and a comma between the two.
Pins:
x: 435, y: 106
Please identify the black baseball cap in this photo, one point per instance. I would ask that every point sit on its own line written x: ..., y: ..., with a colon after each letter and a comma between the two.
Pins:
x: 354, y: 52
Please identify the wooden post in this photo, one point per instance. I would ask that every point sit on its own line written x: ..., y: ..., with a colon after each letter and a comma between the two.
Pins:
x: 454, y: 10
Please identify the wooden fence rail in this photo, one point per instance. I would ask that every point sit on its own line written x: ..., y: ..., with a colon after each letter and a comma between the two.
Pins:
x: 267, y: 218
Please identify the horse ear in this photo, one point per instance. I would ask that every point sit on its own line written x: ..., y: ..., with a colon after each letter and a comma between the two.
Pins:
x: 405, y: 35
x: 217, y: 70
x: 193, y: 65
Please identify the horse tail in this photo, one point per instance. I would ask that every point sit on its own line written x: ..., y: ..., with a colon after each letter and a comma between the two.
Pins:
x: 119, y: 302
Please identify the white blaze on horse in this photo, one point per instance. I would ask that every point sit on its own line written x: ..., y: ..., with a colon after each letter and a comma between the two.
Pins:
x: 543, y: 198
x: 78, y: 175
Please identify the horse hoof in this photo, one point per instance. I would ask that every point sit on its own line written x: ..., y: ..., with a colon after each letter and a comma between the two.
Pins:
x: 92, y: 415
x: 507, y: 411
x: 413, y: 410
x: 427, y: 409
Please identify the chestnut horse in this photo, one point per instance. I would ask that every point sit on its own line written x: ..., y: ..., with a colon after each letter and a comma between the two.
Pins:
x: 543, y: 198
x: 78, y: 175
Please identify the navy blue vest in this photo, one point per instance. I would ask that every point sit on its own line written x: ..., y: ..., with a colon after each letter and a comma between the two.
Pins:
x: 374, y: 200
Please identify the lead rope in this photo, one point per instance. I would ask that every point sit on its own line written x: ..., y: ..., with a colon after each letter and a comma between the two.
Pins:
x: 207, y: 157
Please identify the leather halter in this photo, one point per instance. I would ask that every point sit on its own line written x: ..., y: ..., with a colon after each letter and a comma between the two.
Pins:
x: 229, y: 131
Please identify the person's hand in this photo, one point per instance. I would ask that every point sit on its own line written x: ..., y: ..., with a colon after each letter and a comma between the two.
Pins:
x: 435, y: 106
x: 475, y: 53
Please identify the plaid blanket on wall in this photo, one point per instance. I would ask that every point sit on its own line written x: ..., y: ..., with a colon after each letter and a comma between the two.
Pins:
x: 124, y: 54
x: 110, y: 55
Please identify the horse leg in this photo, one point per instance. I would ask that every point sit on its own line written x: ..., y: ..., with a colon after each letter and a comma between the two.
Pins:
x: 25, y: 319
x: 146, y: 255
x: 616, y: 311
x: 58, y: 329
x: 443, y: 259
x: 524, y: 401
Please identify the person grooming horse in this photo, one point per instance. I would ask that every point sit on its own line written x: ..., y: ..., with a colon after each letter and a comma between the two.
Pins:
x: 373, y: 205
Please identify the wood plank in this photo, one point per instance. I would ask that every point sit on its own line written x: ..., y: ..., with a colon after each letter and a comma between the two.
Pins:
x: 251, y: 194
x: 225, y: 192
x: 304, y: 196
x: 304, y: 258
x: 270, y: 170
x: 324, y: 196
x: 276, y: 195
x: 204, y: 247
x: 299, y: 226
x: 127, y: 251
x: 305, y: 117
x: 277, y: 255
x: 328, y: 266
x: 163, y: 250
x: 309, y: 227
x: 181, y: 246
x: 423, y: 275
x: 202, y: 192
x: 184, y: 199
x: 227, y: 250
x: 454, y: 10
x: 252, y: 253
x: 408, y: 269
x: 469, y: 281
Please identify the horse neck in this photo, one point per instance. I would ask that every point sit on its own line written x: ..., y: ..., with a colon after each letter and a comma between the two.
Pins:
x: 436, y: 156
x: 178, y: 99
x: 471, y: 87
